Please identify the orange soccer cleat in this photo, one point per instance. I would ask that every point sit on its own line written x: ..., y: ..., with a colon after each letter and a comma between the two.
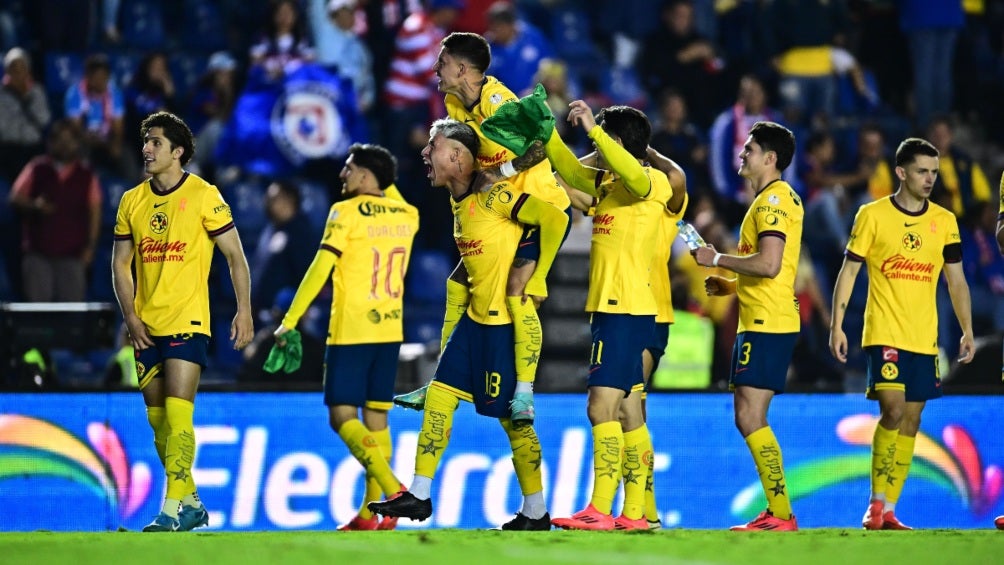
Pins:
x: 768, y: 522
x: 588, y: 519
x: 889, y: 522
x: 873, y: 516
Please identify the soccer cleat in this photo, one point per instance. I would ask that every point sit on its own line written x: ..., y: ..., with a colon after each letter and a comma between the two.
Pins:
x: 387, y: 523
x: 655, y: 524
x: 404, y: 505
x: 521, y: 409
x: 890, y: 522
x: 359, y: 524
x: 588, y: 519
x: 191, y: 517
x: 622, y: 522
x: 767, y: 522
x: 521, y: 523
x: 999, y: 522
x: 414, y: 400
x: 163, y: 523
x: 873, y: 516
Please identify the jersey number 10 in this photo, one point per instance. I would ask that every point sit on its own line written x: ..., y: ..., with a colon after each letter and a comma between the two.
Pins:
x: 396, y: 256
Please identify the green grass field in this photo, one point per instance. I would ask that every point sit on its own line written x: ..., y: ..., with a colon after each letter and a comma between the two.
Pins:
x: 471, y: 547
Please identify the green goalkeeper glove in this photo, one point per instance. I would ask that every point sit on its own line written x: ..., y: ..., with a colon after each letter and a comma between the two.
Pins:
x: 516, y: 125
x: 286, y: 357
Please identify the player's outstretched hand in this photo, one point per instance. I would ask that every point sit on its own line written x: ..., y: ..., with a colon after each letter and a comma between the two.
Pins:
x: 715, y: 285
x: 967, y: 348
x: 580, y: 114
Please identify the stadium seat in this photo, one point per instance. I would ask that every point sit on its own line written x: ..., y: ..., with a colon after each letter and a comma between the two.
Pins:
x: 203, y: 27
x: 124, y: 65
x: 247, y: 202
x: 426, y: 279
x: 112, y: 189
x: 186, y: 68
x: 142, y: 24
x: 314, y: 202
x: 61, y: 70
x: 99, y: 284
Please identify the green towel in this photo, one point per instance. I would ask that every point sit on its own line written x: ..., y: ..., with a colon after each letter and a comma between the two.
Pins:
x: 286, y: 357
x: 517, y: 124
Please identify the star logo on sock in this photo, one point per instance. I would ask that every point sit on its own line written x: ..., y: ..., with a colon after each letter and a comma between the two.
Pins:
x: 778, y: 488
x: 632, y: 478
x: 430, y: 448
x: 608, y: 471
x: 532, y: 359
x: 536, y: 462
x: 180, y: 475
x: 884, y: 470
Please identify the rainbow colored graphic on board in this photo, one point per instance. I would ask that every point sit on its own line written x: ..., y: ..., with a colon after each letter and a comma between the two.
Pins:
x: 34, y: 447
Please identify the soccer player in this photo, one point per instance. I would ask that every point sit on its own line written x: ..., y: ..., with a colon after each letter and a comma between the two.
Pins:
x: 365, y: 250
x: 169, y: 225
x: 477, y: 363
x: 906, y: 241
x: 769, y: 244
x: 659, y: 281
x: 472, y: 96
x: 630, y: 199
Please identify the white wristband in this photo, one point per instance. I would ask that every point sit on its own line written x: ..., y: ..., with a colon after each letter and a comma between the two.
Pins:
x: 507, y: 169
x: 714, y: 262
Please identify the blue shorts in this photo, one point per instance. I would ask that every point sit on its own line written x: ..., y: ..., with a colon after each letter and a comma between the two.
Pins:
x: 761, y: 360
x: 478, y: 366
x: 618, y: 342
x: 361, y: 374
x: 188, y: 347
x: 529, y: 244
x: 915, y: 374
x: 658, y: 342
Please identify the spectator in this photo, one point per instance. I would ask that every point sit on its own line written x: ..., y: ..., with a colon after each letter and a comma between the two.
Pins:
x: 727, y: 136
x: 411, y: 91
x: 687, y: 61
x: 338, y: 45
x: 212, y: 104
x: 96, y: 104
x: 517, y: 47
x: 553, y: 75
x: 284, y: 250
x: 872, y: 157
x: 984, y: 267
x: 801, y: 37
x: 676, y: 137
x: 24, y: 113
x: 151, y: 90
x: 931, y: 28
x: 284, y: 45
x: 961, y: 181
x: 59, y: 198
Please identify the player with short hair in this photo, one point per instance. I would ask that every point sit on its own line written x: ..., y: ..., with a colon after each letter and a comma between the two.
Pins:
x: 906, y: 241
x: 471, y: 97
x: 365, y: 249
x: 477, y: 363
x: 770, y: 239
x: 630, y: 201
x: 166, y: 228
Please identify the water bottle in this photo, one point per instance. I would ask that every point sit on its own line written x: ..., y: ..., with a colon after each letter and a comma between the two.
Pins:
x: 690, y: 235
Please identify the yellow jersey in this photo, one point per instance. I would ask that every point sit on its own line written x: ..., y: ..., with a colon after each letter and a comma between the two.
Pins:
x: 173, y: 237
x: 538, y: 180
x: 904, y: 253
x: 768, y: 305
x: 487, y: 234
x: 661, y: 286
x: 1000, y: 193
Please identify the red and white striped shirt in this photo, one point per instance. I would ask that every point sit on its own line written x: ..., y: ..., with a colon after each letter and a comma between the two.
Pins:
x: 416, y: 48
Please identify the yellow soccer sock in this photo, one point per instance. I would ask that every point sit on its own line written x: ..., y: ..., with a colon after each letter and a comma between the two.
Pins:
x: 157, y: 416
x: 770, y: 466
x: 900, y: 468
x: 883, y: 454
x: 437, y: 423
x: 528, y: 337
x: 179, y: 452
x: 373, y: 490
x: 457, y: 297
x: 366, y: 450
x: 526, y: 456
x: 634, y: 471
x: 608, y: 443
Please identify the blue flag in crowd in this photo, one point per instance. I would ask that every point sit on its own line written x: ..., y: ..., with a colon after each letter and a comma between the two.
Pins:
x: 278, y: 125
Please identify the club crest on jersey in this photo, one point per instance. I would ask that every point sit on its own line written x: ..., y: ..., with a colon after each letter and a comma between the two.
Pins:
x: 306, y: 124
x: 158, y: 223
x: 912, y: 241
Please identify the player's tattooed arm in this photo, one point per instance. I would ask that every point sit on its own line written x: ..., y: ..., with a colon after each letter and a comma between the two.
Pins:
x: 533, y: 155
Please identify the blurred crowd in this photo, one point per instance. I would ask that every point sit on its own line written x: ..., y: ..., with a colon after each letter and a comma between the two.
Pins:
x: 850, y: 77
